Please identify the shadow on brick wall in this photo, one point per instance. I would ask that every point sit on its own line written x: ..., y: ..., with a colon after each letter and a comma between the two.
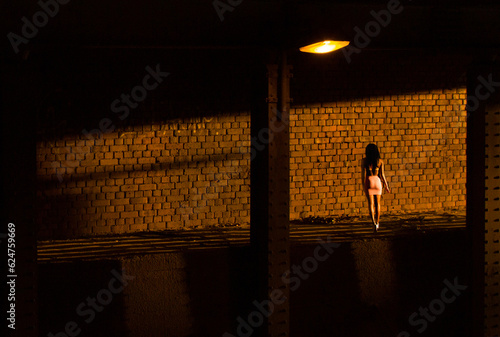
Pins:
x: 82, y: 85
x: 86, y: 204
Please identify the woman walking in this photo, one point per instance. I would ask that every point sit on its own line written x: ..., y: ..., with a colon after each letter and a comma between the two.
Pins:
x: 373, y: 179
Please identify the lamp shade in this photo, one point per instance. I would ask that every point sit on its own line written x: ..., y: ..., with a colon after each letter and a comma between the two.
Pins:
x: 323, y: 47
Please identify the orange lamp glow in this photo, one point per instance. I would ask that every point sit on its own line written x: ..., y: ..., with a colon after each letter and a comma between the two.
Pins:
x: 324, y: 47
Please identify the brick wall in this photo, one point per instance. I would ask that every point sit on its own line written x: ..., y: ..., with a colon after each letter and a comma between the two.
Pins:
x: 180, y: 174
x: 421, y: 137
x: 168, y: 167
x: 196, y: 172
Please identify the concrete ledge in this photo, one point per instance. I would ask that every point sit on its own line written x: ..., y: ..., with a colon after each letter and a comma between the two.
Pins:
x: 367, y: 287
x: 342, y: 229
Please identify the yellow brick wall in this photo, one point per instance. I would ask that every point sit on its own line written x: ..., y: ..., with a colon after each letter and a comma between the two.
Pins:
x: 195, y: 172
x: 421, y: 136
x: 185, y: 173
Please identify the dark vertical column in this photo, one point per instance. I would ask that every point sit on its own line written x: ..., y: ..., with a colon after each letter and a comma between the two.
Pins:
x: 18, y: 189
x: 279, y: 203
x: 492, y: 221
x: 483, y: 197
x: 270, y: 198
x: 475, y: 198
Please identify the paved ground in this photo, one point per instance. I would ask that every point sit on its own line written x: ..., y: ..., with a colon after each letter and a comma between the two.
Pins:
x: 342, y: 229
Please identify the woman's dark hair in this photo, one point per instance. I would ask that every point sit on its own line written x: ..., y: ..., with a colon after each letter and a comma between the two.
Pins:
x: 372, y: 156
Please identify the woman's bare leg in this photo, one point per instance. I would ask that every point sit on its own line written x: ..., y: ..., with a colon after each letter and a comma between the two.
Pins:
x: 371, y: 207
x: 377, y: 207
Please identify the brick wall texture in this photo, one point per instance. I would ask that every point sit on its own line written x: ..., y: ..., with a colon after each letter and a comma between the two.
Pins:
x: 195, y: 171
x: 181, y: 174
x: 421, y: 137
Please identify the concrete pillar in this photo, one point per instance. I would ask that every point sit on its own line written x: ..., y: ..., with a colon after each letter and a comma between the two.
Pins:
x: 270, y: 196
x: 483, y: 198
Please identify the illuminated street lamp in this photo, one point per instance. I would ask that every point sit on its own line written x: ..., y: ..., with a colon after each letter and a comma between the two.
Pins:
x: 270, y: 187
x: 324, y: 47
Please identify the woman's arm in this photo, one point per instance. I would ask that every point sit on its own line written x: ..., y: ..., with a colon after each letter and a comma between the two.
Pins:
x: 382, y: 176
x: 363, y: 177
